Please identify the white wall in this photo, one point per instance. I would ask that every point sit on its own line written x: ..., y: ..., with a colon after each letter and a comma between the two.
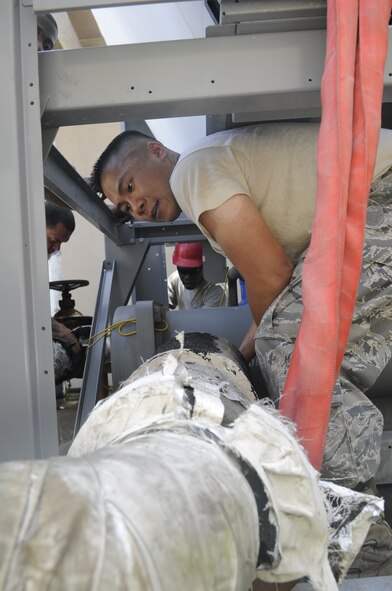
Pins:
x: 82, y: 256
x: 159, y: 22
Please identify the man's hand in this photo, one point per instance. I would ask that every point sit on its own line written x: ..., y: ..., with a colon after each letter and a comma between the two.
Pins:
x: 65, y: 334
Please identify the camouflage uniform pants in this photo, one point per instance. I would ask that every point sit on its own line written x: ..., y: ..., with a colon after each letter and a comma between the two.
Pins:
x: 354, y: 438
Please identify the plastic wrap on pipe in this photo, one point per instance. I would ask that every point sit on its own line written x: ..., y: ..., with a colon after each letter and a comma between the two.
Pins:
x: 179, y: 480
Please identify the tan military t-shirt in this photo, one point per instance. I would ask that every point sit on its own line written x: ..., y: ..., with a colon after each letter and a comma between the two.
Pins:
x: 274, y: 164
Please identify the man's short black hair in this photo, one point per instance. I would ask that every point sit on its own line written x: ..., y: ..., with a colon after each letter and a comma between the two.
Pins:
x: 50, y: 17
x: 55, y: 214
x: 47, y: 32
x: 126, y: 137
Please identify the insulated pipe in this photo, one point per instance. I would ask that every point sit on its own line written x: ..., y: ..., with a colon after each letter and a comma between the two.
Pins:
x: 351, y: 108
x: 165, y: 512
x: 178, y: 480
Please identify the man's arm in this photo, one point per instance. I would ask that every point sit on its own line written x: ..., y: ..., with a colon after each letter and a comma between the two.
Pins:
x: 171, y: 292
x: 65, y: 334
x: 238, y: 227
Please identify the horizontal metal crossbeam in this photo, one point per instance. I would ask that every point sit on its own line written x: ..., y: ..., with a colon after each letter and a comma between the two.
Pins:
x: 61, y: 5
x: 268, y: 72
x: 276, y: 74
x: 63, y: 180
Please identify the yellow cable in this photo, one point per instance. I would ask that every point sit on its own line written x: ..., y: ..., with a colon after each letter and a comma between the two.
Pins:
x: 118, y: 325
x: 164, y: 327
x: 107, y: 331
x: 126, y: 334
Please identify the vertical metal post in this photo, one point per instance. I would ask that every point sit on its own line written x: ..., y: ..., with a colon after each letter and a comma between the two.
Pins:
x: 95, y: 355
x: 28, y: 425
x: 129, y: 260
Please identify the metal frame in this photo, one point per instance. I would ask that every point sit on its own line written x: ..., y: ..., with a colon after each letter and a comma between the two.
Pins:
x: 180, y: 78
x: 129, y: 259
x: 63, y: 180
x: 61, y: 5
x: 28, y: 426
x: 118, y: 279
x: 249, y: 17
x: 106, y: 303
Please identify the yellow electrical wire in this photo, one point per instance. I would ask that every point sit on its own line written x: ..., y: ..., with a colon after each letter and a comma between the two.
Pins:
x: 107, y: 331
x: 119, y: 326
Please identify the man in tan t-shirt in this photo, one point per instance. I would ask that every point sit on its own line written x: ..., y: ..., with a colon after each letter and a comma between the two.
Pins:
x: 251, y: 191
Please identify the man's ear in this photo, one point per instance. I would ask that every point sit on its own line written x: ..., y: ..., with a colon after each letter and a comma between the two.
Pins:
x: 156, y: 149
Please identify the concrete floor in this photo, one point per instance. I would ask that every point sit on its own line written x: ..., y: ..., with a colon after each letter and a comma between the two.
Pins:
x: 66, y: 415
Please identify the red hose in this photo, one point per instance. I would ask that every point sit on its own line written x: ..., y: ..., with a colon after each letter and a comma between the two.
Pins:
x: 351, y: 96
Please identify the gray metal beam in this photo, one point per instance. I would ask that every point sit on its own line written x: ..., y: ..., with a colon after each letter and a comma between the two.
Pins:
x: 28, y: 426
x: 66, y: 183
x: 267, y: 26
x: 95, y: 356
x: 48, y: 137
x: 233, y: 11
x: 218, y: 75
x: 181, y: 230
x: 61, y: 5
x: 128, y: 259
x: 248, y: 73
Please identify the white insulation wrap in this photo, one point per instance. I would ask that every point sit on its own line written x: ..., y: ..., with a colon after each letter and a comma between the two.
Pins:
x: 176, y: 482
x: 166, y: 512
x: 291, y: 502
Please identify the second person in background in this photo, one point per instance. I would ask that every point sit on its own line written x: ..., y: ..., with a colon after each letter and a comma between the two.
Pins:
x: 187, y: 287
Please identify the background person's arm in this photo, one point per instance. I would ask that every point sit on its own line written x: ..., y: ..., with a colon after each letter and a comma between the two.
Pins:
x: 65, y: 334
x: 171, y: 292
x: 240, y: 230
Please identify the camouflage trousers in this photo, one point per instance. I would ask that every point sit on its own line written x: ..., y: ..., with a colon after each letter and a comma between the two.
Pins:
x: 353, y: 442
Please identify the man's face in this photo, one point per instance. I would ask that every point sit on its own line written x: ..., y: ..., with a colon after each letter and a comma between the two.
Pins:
x: 46, y: 33
x: 190, y: 276
x: 138, y: 185
x: 55, y: 236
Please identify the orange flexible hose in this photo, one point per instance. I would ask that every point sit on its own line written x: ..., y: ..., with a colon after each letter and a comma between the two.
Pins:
x: 351, y: 95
